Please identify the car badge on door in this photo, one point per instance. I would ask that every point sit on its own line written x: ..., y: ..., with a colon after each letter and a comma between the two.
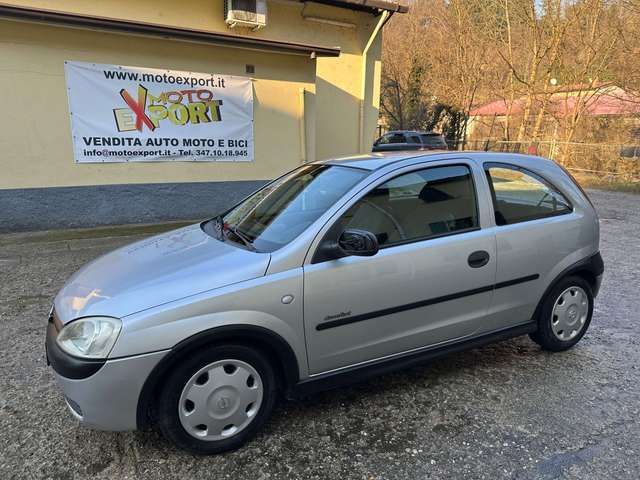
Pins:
x: 338, y: 315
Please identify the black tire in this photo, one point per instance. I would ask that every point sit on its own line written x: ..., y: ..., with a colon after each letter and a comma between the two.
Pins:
x: 169, y: 421
x: 544, y: 336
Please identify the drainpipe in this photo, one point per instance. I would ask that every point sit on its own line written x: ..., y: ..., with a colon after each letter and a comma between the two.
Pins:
x: 384, y: 18
x: 301, y: 126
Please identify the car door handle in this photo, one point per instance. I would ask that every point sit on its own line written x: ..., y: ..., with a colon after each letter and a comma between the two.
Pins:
x: 478, y: 259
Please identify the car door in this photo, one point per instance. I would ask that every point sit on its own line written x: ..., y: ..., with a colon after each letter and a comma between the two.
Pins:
x: 430, y: 282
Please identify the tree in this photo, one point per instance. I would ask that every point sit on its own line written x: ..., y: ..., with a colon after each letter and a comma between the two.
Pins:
x: 404, y: 101
x: 434, y: 63
x: 452, y: 55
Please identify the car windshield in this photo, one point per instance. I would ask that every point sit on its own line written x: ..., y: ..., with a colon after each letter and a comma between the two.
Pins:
x: 275, y: 215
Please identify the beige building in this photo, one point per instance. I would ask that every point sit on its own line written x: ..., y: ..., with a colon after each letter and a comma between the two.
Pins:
x: 315, y: 69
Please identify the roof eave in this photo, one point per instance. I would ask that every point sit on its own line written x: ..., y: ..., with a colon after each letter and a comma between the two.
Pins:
x: 371, y: 6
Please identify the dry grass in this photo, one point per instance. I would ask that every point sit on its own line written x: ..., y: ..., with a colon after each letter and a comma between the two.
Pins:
x: 591, y: 181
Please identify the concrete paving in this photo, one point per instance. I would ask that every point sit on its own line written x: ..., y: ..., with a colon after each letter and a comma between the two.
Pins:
x: 504, y: 411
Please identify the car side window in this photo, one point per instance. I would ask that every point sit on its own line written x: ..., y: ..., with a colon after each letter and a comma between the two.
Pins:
x: 417, y: 205
x: 414, y: 139
x: 434, y: 141
x: 383, y: 139
x: 391, y: 138
x: 519, y: 195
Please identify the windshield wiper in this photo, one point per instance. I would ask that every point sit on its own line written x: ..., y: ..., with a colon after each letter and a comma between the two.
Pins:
x: 240, y: 235
x: 218, y: 229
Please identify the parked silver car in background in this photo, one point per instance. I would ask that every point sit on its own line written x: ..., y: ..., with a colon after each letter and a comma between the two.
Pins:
x: 336, y: 271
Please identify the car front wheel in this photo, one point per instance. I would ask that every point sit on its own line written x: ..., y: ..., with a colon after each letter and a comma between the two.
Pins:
x: 565, y: 314
x: 217, y: 399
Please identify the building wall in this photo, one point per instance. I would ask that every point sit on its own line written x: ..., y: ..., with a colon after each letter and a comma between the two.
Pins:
x: 38, y: 150
x: 35, y: 140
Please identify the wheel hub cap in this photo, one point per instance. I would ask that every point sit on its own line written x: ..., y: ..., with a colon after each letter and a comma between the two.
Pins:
x: 223, y: 401
x: 569, y: 313
x: 220, y: 400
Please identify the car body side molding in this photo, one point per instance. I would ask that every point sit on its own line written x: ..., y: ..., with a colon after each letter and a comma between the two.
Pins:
x: 423, y: 303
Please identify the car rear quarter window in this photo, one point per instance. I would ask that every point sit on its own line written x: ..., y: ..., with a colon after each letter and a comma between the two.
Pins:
x: 520, y: 195
x: 434, y: 141
x: 417, y: 205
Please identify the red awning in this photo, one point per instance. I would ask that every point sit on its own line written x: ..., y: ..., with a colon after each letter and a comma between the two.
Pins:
x: 611, y: 101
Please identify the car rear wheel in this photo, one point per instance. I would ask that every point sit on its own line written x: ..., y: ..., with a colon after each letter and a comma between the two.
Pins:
x: 565, y: 314
x: 217, y: 399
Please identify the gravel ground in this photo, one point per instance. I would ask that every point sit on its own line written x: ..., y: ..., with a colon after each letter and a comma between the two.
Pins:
x: 504, y: 411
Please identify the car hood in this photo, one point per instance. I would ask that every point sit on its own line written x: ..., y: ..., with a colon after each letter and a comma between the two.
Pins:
x: 156, y: 270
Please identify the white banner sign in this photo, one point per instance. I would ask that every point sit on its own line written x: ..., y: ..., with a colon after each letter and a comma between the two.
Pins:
x: 131, y: 114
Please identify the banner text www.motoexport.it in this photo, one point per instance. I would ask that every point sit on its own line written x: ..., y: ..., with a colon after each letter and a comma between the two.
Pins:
x: 214, y: 82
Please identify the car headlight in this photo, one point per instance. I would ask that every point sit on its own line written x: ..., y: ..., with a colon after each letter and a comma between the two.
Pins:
x: 90, y: 337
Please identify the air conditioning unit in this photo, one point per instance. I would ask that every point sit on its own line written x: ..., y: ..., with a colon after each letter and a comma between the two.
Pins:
x: 245, y: 13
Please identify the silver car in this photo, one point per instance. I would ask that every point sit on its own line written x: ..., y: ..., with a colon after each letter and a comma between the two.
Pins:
x: 336, y: 271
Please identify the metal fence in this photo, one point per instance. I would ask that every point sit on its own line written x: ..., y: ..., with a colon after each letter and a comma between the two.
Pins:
x: 605, y: 161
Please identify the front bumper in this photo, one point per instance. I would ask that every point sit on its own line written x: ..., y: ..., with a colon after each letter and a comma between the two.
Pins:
x: 108, y: 399
x: 101, y: 394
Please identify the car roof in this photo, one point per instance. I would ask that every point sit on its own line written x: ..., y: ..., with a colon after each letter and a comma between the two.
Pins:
x: 417, y: 132
x: 377, y: 160
x: 374, y: 160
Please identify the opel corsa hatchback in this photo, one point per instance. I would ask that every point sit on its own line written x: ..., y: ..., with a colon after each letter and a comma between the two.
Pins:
x: 335, y: 271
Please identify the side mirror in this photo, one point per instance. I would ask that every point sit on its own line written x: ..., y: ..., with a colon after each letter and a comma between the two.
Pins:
x: 358, y: 242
